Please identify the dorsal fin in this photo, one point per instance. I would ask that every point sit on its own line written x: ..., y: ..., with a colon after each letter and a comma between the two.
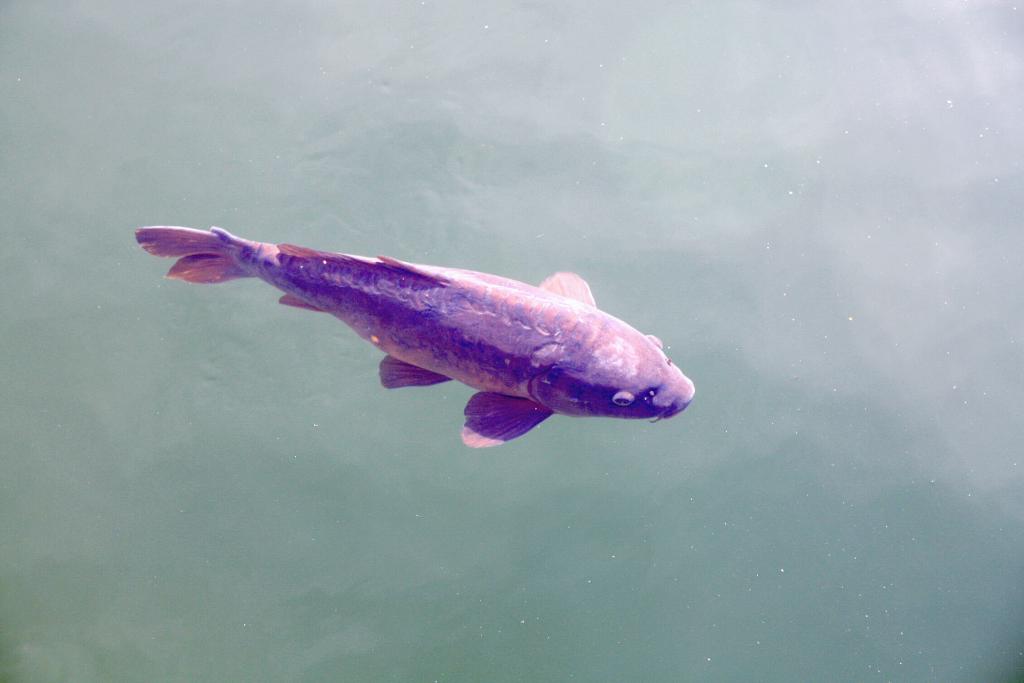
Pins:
x: 390, y: 265
x: 408, y: 268
x: 569, y: 285
x: 305, y: 252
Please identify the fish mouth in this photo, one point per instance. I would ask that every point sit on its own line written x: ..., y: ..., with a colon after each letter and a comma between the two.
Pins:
x: 674, y: 408
x: 680, y: 398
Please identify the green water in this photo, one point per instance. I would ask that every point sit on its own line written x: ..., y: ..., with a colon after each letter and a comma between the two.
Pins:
x: 818, y: 206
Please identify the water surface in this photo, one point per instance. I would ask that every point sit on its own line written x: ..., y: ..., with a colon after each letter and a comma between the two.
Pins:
x: 816, y: 205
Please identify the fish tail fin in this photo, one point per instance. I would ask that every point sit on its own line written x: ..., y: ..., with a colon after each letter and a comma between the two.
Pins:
x: 204, y: 256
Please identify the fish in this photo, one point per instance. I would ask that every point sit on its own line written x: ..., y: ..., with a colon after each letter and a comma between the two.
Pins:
x: 530, y: 352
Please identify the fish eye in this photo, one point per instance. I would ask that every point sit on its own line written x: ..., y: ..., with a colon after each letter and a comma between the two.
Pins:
x: 623, y: 398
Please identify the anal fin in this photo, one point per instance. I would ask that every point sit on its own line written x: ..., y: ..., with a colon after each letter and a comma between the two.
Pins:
x: 395, y: 374
x: 492, y: 419
x: 292, y: 300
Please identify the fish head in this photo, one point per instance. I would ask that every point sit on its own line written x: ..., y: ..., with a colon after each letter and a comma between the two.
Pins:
x: 625, y: 376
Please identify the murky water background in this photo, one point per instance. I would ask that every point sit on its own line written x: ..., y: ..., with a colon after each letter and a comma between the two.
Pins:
x: 818, y: 206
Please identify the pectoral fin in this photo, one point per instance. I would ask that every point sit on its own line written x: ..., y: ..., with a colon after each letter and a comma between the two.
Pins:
x: 569, y: 285
x: 395, y: 374
x: 492, y: 419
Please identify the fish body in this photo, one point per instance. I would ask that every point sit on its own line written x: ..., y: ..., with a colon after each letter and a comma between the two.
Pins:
x: 529, y: 351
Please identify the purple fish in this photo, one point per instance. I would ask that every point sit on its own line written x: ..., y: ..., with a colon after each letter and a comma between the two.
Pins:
x: 529, y: 351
